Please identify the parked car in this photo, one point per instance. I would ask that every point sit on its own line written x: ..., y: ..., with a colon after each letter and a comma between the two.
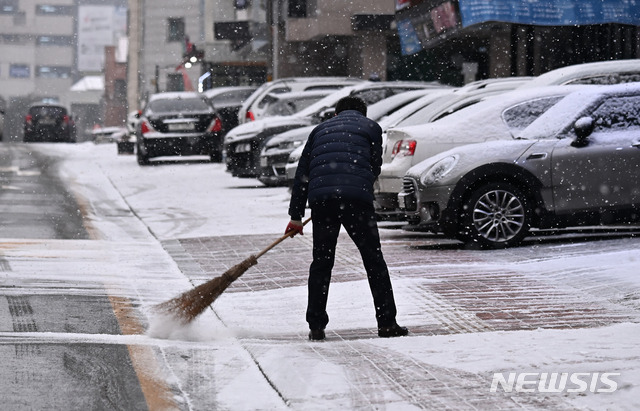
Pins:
x: 496, y: 118
x: 286, y: 104
x: 599, y: 73
x: 252, y: 109
x: 226, y: 101
x: 578, y: 164
x: 244, y: 143
x: 49, y: 122
x: 100, y: 135
x: 178, y: 124
x: 274, y: 158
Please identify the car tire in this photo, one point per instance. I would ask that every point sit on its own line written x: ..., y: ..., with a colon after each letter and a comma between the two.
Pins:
x: 141, y: 156
x: 496, y: 215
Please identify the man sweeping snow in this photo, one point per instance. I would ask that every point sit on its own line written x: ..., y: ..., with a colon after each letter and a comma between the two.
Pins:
x: 339, y: 164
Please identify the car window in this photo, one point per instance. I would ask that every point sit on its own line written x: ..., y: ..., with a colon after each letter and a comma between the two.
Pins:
x: 51, y: 111
x: 616, y: 113
x: 604, y: 79
x: 521, y: 115
x: 375, y: 95
x: 278, y: 90
x: 178, y: 104
x: 288, y: 107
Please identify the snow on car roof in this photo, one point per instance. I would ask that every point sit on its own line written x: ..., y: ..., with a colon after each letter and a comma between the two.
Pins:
x: 553, y: 121
x: 566, y: 74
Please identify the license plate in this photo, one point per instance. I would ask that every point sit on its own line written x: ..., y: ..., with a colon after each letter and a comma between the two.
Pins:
x: 263, y: 162
x: 181, y: 126
x: 47, y: 121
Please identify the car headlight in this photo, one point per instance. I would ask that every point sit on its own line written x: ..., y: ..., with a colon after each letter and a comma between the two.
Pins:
x: 440, y: 169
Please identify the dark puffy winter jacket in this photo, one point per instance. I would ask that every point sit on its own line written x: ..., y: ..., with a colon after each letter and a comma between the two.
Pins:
x: 341, y: 159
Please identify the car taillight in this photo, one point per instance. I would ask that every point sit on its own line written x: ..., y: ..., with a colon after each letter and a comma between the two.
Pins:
x: 65, y: 119
x: 215, y: 126
x: 250, y: 116
x: 28, y: 118
x: 404, y: 147
x: 145, y: 127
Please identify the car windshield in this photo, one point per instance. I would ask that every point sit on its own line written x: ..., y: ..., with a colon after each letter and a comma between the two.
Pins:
x: 178, y: 104
x: 232, y: 96
x: 288, y: 107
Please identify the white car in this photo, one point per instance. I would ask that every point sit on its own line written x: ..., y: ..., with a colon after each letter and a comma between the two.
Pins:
x: 244, y: 143
x: 286, y: 104
x: 599, y: 73
x: 253, y: 107
x: 275, y: 154
x: 497, y: 118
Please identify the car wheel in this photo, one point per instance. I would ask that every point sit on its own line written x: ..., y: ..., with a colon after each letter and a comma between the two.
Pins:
x: 496, y: 215
x: 141, y: 155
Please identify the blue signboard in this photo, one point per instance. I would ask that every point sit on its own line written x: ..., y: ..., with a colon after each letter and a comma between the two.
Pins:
x: 409, y: 41
x: 550, y: 12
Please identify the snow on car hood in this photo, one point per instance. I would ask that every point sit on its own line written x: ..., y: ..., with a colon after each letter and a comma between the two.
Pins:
x: 473, y: 155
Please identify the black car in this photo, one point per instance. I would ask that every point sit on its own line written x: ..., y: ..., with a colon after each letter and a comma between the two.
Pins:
x: 47, y: 122
x: 178, y: 124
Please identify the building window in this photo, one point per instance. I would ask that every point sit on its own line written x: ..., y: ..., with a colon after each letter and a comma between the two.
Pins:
x: 14, y: 39
x: 9, y: 6
x: 55, y: 10
x: 20, y: 18
x: 175, y: 30
x: 19, y: 71
x: 297, y: 8
x: 175, y: 82
x: 120, y: 90
x: 54, y: 40
x: 241, y: 4
x: 53, y: 72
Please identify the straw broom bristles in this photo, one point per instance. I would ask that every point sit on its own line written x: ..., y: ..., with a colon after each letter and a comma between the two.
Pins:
x: 190, y: 304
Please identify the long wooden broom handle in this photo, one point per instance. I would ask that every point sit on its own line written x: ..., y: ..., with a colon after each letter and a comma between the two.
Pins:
x: 281, y: 239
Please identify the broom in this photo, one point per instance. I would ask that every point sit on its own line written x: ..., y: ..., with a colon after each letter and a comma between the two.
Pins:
x: 190, y: 304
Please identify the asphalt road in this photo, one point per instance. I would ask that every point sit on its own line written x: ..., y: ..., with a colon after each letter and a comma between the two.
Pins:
x: 53, y: 374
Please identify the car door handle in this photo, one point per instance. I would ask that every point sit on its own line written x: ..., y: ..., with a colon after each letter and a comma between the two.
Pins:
x: 537, y: 156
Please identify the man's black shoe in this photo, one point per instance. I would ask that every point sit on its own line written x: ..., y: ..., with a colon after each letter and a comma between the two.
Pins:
x: 393, y: 331
x: 316, y: 335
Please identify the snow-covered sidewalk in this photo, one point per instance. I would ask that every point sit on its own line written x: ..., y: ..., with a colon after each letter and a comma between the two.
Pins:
x: 525, y: 315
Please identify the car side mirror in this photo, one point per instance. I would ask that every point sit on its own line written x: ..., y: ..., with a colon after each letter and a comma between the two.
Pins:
x: 583, y: 128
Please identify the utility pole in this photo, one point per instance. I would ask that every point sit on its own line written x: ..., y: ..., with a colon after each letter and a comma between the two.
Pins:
x: 133, y: 54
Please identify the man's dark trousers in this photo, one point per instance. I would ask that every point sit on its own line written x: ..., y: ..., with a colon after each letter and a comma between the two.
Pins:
x: 359, y: 220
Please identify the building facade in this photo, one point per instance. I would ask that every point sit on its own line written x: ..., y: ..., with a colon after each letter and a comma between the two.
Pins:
x: 38, y: 47
x: 463, y: 40
x: 48, y: 46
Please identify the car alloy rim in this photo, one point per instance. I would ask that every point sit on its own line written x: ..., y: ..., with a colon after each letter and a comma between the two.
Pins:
x: 498, y: 216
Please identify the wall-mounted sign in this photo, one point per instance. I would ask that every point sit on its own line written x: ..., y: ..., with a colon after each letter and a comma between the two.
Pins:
x: 551, y: 12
